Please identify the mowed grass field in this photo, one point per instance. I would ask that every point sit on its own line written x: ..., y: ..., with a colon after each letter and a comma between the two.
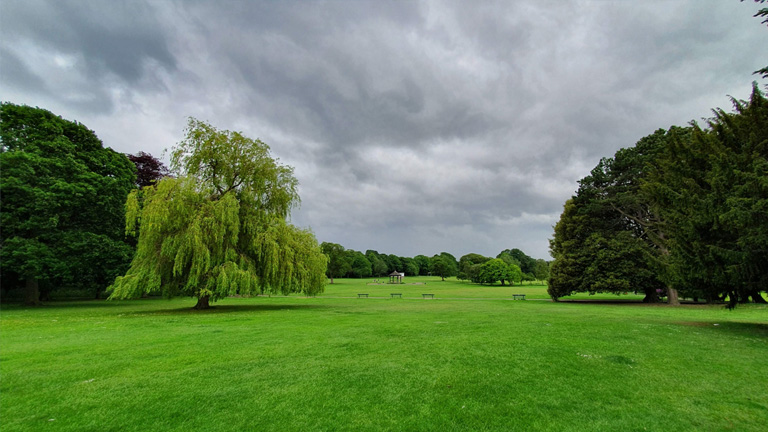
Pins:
x: 414, y: 287
x: 469, y: 360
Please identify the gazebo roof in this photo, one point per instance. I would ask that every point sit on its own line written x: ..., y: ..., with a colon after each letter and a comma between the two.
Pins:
x: 395, y: 273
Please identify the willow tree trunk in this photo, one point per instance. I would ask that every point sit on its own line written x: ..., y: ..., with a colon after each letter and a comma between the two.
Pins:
x: 202, y: 303
x: 32, y: 291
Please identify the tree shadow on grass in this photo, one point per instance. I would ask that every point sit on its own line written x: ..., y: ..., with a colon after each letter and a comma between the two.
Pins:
x: 62, y: 304
x: 632, y: 302
x: 749, y: 329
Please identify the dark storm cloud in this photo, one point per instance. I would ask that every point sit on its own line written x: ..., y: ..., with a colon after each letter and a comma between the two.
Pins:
x: 14, y: 72
x: 98, y: 40
x: 414, y: 127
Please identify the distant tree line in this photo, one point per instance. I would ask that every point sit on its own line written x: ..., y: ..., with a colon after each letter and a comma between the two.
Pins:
x: 684, y: 212
x: 511, y: 266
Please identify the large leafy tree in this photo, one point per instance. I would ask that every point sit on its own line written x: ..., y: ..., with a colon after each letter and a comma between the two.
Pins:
x: 469, y: 266
x: 609, y: 239
x: 499, y: 270
x: 378, y: 265
x: 149, y: 169
x: 359, y: 265
x: 219, y: 228
x: 541, y: 270
x: 423, y: 262
x: 410, y: 266
x: 519, y: 258
x: 339, y: 262
x: 444, y: 265
x: 686, y: 207
x: 62, y: 204
x: 712, y: 189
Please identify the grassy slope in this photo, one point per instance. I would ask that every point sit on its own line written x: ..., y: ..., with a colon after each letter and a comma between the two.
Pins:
x: 346, y: 364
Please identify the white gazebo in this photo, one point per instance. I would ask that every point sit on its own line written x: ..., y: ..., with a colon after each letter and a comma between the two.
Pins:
x: 396, y: 277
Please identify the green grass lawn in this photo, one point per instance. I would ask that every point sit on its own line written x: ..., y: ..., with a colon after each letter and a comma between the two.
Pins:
x: 414, y: 287
x: 465, y: 361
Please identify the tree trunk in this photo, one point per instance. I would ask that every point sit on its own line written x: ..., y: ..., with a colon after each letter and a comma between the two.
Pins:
x: 33, y: 292
x: 672, y: 298
x: 651, y: 296
x: 202, y: 303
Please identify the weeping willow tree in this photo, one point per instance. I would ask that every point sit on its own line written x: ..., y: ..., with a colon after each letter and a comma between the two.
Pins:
x: 219, y: 227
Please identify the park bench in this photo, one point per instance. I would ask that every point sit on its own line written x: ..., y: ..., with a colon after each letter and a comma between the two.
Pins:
x: 428, y: 296
x: 396, y: 295
x: 518, y: 296
x: 362, y: 295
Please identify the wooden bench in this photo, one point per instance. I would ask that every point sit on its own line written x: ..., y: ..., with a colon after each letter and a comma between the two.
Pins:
x: 518, y: 296
x: 428, y: 296
x: 362, y: 295
x: 396, y: 295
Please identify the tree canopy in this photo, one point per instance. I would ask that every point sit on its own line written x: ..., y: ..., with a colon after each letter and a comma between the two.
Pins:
x: 608, y: 239
x: 444, y: 265
x: 683, y: 210
x: 338, y: 262
x: 149, y: 169
x: 62, y: 207
x: 469, y: 266
x: 499, y: 270
x: 219, y: 227
x: 762, y: 13
x: 711, y: 191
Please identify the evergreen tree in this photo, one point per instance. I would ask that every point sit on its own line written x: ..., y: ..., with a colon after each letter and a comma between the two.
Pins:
x: 713, y: 191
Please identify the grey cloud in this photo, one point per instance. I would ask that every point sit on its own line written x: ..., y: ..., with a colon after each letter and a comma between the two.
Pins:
x: 418, y: 126
x: 15, y: 73
x: 121, y: 39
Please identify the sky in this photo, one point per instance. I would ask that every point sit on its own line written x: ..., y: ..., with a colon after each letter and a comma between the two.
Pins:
x: 414, y: 127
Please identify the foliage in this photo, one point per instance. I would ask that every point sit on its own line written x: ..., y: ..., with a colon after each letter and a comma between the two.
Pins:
x: 338, y: 262
x: 498, y: 270
x: 517, y: 257
x: 149, y: 169
x: 541, y: 270
x: 608, y: 238
x: 423, y: 262
x: 219, y: 228
x: 359, y: 265
x: 469, y: 266
x: 762, y: 13
x: 444, y: 265
x: 684, y: 210
x: 713, y: 191
x: 62, y: 208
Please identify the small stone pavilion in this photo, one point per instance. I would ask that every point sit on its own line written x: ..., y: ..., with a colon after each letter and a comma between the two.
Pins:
x: 396, y: 277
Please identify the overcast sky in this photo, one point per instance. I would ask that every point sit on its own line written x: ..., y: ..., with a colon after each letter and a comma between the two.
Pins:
x: 414, y: 127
